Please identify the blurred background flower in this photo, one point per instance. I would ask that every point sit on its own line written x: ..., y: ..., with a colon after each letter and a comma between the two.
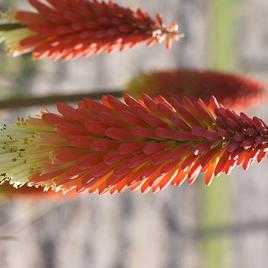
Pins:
x: 231, y: 90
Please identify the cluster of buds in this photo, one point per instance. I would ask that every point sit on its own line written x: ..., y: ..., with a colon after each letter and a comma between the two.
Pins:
x: 69, y: 29
x: 113, y: 145
x: 232, y: 91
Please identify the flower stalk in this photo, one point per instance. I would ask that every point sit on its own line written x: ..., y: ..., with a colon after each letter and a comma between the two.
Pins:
x: 62, y: 30
x: 10, y: 26
x: 112, y: 145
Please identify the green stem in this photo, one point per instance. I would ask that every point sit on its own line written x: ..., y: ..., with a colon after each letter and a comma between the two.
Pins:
x: 11, y: 26
x: 215, y: 205
x: 222, y: 39
x: 24, y: 102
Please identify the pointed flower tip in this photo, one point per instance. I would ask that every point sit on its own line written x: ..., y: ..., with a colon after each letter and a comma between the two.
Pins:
x: 64, y: 31
x: 112, y: 145
x: 233, y: 91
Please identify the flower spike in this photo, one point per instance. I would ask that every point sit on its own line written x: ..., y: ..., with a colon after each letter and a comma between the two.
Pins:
x: 113, y: 145
x: 233, y: 91
x: 66, y: 29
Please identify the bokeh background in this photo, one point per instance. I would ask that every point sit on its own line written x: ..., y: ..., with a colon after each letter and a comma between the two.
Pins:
x: 225, y: 225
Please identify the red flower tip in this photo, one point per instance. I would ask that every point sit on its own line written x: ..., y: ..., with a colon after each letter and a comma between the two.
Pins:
x: 62, y: 29
x: 232, y: 91
x: 113, y: 145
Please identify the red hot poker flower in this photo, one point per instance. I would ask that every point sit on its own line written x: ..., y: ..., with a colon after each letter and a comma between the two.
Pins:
x: 231, y: 90
x: 111, y: 146
x: 65, y: 29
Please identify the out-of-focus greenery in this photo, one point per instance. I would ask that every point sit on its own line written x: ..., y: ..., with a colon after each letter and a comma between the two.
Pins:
x: 215, y: 212
x: 222, y: 38
x: 216, y: 200
x: 18, y: 72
